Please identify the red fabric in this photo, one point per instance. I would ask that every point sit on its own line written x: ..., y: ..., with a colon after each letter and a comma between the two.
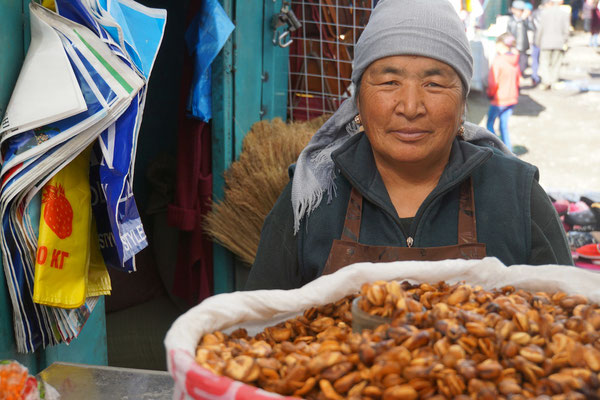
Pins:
x: 503, y: 80
x: 595, y: 28
x: 194, y: 268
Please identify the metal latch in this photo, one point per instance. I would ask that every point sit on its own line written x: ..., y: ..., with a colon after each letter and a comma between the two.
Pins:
x: 287, y: 18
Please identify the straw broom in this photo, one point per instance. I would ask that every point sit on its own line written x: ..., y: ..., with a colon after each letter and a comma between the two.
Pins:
x: 254, y: 182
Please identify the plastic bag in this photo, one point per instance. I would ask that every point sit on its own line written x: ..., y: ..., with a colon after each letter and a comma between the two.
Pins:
x: 63, y: 254
x: 98, y: 277
x: 16, y: 383
x: 205, y: 37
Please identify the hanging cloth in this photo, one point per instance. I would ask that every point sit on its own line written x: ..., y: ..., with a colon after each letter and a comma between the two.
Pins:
x: 193, y: 279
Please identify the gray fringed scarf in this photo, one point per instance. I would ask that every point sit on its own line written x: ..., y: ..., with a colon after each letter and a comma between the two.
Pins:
x: 428, y: 28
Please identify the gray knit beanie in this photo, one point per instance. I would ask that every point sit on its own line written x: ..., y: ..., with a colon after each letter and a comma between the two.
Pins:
x: 428, y: 28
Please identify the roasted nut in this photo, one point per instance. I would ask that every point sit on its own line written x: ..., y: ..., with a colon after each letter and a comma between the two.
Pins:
x: 505, y: 328
x: 279, y: 334
x: 269, y: 373
x: 242, y: 368
x: 344, y: 383
x: 324, y: 360
x: 592, y: 358
x: 328, y: 390
x: 520, y: 338
x: 570, y: 302
x: 260, y: 349
x: 446, y: 341
x: 372, y: 391
x: 479, y: 329
x: 418, y: 340
x: 209, y: 339
x: 509, y: 386
x: 401, y: 392
x: 460, y: 295
x: 321, y: 324
x: 307, y: 387
x: 415, y: 371
x: 489, y: 369
x: 357, y: 389
x: 376, y: 294
x: 467, y: 369
x: 454, y: 354
x: 533, y: 353
x: 336, y: 371
x: 455, y: 383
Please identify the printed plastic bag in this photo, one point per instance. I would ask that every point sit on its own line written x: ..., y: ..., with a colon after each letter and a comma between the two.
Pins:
x: 16, y: 383
x: 98, y: 277
x: 120, y: 231
x: 61, y: 265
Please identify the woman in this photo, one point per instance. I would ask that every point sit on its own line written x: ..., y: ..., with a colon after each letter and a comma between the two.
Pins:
x: 406, y: 186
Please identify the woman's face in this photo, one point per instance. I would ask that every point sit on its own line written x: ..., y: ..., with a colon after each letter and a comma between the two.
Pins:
x: 411, y: 109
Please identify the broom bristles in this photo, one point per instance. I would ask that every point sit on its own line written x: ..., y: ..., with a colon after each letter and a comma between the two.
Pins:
x: 254, y: 182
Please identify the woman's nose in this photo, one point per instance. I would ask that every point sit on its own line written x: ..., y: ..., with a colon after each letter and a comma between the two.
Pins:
x: 410, y: 102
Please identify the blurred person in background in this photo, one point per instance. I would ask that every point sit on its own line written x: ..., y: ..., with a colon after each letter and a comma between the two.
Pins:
x: 503, y: 85
x: 576, y: 6
x: 535, y: 50
x: 518, y: 25
x: 551, y: 37
x: 595, y: 25
x: 586, y: 14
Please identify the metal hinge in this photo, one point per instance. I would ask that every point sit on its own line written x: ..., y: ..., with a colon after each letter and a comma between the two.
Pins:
x: 287, y: 18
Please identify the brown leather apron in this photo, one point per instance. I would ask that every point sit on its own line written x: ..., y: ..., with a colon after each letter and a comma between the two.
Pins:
x: 347, y: 250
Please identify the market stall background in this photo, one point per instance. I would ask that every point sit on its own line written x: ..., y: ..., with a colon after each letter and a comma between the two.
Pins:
x: 250, y: 83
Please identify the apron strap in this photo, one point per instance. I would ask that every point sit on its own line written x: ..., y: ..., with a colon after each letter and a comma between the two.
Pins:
x: 467, y: 226
x: 351, y: 230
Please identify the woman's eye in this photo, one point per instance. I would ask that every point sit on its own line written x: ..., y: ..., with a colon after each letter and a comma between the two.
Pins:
x: 433, y: 84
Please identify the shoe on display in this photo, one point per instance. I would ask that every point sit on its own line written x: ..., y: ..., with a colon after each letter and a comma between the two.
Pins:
x: 577, y: 206
x: 579, y: 239
x: 591, y: 198
x: 589, y: 251
x: 581, y: 218
x: 561, y: 206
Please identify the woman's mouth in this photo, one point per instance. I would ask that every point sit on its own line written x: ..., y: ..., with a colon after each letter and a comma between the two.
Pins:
x: 409, y: 134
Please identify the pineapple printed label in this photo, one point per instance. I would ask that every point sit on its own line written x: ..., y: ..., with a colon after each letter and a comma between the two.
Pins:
x: 58, y: 213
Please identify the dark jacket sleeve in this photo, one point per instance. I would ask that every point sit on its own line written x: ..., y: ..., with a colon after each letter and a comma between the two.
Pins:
x: 276, y: 263
x: 548, y: 240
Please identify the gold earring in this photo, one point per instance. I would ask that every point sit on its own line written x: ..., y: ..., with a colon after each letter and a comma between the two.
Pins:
x: 461, y: 132
x: 357, y: 119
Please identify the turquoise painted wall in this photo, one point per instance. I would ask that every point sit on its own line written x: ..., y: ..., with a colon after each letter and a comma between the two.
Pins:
x: 249, y: 84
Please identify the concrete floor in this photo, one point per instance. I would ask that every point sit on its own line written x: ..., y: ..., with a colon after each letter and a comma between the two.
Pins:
x: 559, y: 127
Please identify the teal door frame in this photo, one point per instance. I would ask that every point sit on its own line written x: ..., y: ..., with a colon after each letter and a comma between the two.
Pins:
x: 250, y: 77
x: 90, y: 346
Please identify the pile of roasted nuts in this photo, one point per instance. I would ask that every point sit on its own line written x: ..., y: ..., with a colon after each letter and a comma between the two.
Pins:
x: 444, y: 341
